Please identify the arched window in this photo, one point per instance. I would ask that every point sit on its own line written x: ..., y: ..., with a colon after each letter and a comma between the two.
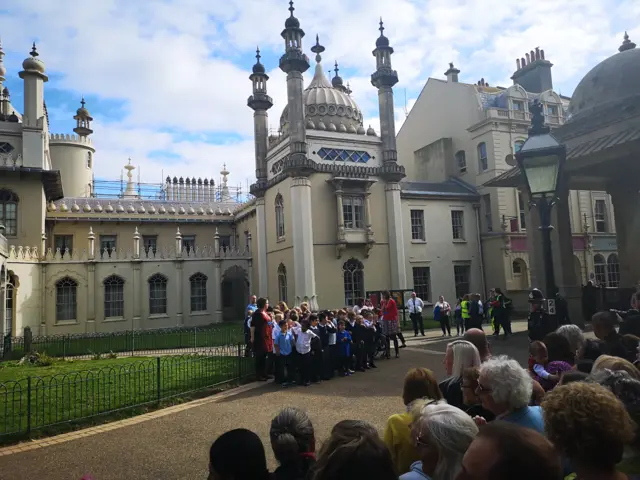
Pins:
x: 600, y: 268
x: 66, y: 299
x: 279, y: 217
x: 89, y: 160
x: 483, y: 161
x: 198, y: 283
x: 613, y: 271
x: 282, y: 283
x: 9, y: 212
x: 113, y: 296
x: 517, y: 146
x: 461, y: 161
x: 157, y: 294
x: 353, y: 281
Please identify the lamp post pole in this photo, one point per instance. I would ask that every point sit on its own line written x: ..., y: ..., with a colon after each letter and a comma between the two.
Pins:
x: 541, y: 160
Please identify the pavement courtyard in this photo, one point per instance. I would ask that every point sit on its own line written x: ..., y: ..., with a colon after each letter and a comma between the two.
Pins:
x: 173, y: 443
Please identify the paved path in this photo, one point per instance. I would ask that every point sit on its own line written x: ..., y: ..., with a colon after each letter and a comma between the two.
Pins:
x: 173, y: 443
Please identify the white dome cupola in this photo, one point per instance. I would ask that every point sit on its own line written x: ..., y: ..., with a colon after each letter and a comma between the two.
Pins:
x: 326, y: 107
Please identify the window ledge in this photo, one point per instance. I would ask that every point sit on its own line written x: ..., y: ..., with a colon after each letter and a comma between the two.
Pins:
x: 66, y: 322
x: 200, y: 313
x: 418, y: 241
x: 459, y: 240
x: 281, y: 239
x: 114, y: 319
x: 158, y: 315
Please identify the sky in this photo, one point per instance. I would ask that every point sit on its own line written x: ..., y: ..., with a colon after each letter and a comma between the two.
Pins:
x: 167, y: 80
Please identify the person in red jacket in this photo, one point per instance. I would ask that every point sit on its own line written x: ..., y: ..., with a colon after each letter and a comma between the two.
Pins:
x: 390, y: 323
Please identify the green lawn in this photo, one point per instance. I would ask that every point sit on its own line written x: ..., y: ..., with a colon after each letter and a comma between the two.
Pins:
x: 32, y: 398
x: 151, y: 340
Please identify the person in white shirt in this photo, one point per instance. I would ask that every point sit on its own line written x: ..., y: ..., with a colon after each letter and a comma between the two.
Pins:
x: 415, y: 306
x: 442, y: 313
x: 303, y: 336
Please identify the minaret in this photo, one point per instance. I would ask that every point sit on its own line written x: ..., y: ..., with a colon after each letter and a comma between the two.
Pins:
x: 33, y: 74
x: 130, y: 190
x: 83, y: 121
x: 3, y: 69
x: 294, y: 62
x: 4, y: 91
x: 260, y: 103
x: 33, y: 114
x: 224, y: 191
x: 384, y: 78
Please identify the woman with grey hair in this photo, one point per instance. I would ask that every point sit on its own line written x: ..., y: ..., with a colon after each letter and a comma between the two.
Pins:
x: 504, y: 388
x: 293, y: 443
x: 459, y: 355
x: 442, y: 434
x: 574, y: 334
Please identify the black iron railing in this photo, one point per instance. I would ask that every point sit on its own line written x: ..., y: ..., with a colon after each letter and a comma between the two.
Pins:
x: 36, y: 402
x: 128, y: 342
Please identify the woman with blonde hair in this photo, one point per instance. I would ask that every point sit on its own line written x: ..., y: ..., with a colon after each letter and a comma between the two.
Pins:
x: 442, y: 434
x: 459, y: 355
x: 615, y: 364
x: 419, y: 383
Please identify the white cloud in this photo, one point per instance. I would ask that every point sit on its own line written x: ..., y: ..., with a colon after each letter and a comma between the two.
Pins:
x: 182, y: 67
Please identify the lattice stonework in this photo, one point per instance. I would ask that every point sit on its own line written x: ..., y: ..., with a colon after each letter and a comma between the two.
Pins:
x: 336, y: 154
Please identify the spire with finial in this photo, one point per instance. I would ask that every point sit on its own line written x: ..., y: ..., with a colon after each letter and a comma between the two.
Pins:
x: 382, y: 40
x: 318, y: 49
x: 337, y: 81
x: 626, y: 44
x: 130, y: 189
x: 3, y: 69
x: 292, y: 22
x: 34, y: 51
x: 258, y: 67
x: 83, y: 120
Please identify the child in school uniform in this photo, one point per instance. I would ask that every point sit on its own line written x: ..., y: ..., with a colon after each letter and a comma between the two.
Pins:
x: 316, y: 349
x: 283, y: 344
x: 304, y: 336
x: 327, y: 330
x: 359, y: 334
x: 369, y: 341
x: 344, y: 340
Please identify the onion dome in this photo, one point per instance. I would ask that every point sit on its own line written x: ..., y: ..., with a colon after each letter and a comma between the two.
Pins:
x: 292, y: 22
x: 324, y: 104
x: 371, y: 132
x: 82, y: 111
x: 33, y: 63
x: 382, y: 41
x: 336, y: 81
x: 258, y: 67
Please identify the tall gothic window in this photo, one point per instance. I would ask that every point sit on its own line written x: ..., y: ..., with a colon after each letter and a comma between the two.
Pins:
x: 353, y: 271
x: 9, y: 212
x: 613, y: 271
x: 157, y: 294
x: 282, y: 283
x: 600, y: 268
x: 279, y: 217
x: 113, y: 296
x: 198, y: 283
x: 66, y: 299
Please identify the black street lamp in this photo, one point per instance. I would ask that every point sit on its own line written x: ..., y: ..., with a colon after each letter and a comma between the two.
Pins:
x: 541, y: 159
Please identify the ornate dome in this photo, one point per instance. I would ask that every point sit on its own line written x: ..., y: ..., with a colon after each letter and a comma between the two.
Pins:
x: 326, y: 107
x: 610, y: 85
x: 33, y: 63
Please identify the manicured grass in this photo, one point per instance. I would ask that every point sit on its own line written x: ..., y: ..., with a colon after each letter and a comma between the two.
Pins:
x: 137, y: 341
x: 33, y: 398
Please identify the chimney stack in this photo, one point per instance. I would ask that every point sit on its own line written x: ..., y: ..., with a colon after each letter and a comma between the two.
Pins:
x: 533, y: 72
x: 452, y: 73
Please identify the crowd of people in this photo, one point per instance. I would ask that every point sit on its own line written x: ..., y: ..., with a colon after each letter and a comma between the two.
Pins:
x: 572, y: 413
x: 298, y: 346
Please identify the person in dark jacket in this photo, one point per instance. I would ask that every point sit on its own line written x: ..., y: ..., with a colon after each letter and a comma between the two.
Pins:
x: 538, y: 322
x: 238, y: 454
x: 604, y: 328
x: 293, y: 443
x: 562, y: 309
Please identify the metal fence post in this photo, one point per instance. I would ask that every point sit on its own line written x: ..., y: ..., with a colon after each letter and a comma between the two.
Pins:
x: 239, y: 356
x: 195, y: 338
x: 133, y: 342
x: 28, y: 405
x: 64, y: 346
x: 158, y: 375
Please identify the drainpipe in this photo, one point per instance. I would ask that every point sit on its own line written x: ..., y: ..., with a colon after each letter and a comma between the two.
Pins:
x: 483, y: 278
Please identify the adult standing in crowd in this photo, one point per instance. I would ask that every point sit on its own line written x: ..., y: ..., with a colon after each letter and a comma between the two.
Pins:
x: 442, y: 313
x: 460, y: 354
x: 390, y: 323
x: 501, y: 312
x: 261, y: 338
x: 415, y: 305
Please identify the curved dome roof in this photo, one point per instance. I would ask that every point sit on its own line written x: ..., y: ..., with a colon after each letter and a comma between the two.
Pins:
x: 611, y: 84
x: 327, y: 107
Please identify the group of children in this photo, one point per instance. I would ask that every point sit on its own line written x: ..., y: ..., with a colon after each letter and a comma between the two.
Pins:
x: 311, y: 347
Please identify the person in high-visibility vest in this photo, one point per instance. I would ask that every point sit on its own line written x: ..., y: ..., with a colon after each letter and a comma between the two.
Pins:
x: 466, y: 312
